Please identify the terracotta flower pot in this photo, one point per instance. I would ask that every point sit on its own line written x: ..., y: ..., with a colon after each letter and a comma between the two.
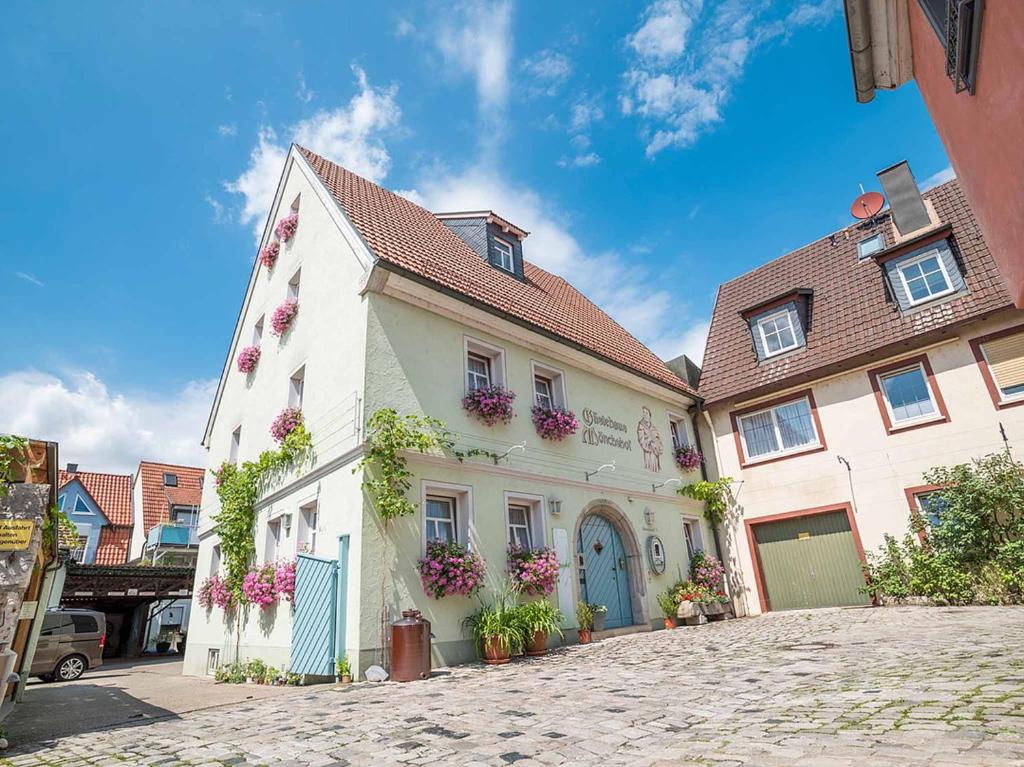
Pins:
x: 495, y: 653
x: 584, y: 636
x: 346, y: 679
x: 539, y: 644
x: 670, y: 623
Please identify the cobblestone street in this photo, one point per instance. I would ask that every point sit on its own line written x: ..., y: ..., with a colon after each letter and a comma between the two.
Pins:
x: 897, y: 686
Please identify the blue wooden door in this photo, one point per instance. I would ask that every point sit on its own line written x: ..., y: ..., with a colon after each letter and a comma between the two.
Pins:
x: 606, y: 572
x: 313, y: 630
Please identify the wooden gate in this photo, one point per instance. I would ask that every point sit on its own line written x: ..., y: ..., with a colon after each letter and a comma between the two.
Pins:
x: 313, y: 623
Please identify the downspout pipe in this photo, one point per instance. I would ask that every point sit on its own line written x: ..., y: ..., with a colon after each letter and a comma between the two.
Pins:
x: 862, y: 60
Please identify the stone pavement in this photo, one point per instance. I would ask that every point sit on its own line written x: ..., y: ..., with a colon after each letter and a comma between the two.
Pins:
x: 894, y: 686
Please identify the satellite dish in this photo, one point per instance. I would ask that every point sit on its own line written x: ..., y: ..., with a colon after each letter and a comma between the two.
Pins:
x: 867, y: 205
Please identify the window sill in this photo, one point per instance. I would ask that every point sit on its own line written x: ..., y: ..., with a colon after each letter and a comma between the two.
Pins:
x: 899, y: 428
x: 748, y: 463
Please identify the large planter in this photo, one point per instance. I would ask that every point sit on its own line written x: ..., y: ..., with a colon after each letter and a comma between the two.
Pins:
x: 495, y: 652
x: 599, y: 620
x: 715, y: 608
x: 538, y: 645
x: 584, y: 636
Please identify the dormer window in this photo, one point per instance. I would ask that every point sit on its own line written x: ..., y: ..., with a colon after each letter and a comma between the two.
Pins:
x: 170, y: 480
x: 924, y: 278
x: 777, y: 333
x: 503, y: 255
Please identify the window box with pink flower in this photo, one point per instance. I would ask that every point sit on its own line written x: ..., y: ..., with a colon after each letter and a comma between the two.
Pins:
x: 688, y: 458
x: 248, y: 358
x: 554, y: 423
x: 490, y: 404
x: 287, y: 421
x: 283, y: 317
x: 287, y: 227
x: 269, y: 254
x: 450, y: 569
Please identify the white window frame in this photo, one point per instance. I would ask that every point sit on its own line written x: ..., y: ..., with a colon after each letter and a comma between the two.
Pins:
x: 495, y: 354
x: 937, y: 255
x: 555, y: 377
x: 293, y: 284
x: 236, y: 445
x: 875, y: 243
x: 511, y: 268
x: 692, y: 538
x: 297, y: 386
x: 79, y: 552
x: 257, y: 331
x: 679, y: 430
x: 215, y: 559
x: 778, y: 432
x: 465, y: 532
x: 764, y: 337
x: 1003, y: 398
x: 74, y: 509
x: 537, y: 509
x: 309, y: 526
x: 936, y: 413
x: 272, y: 543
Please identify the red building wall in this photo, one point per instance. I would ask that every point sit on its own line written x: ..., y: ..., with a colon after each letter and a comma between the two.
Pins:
x: 984, y: 133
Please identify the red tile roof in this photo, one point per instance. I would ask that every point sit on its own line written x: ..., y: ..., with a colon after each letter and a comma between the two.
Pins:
x: 112, y: 493
x: 112, y: 548
x: 410, y: 240
x: 852, y: 319
x: 157, y: 498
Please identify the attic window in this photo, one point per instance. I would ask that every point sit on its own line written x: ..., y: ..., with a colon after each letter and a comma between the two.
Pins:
x: 170, y: 480
x: 503, y: 255
x: 925, y: 278
x: 870, y: 245
x: 777, y: 333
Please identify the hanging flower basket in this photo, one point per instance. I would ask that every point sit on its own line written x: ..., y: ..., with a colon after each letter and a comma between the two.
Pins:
x: 490, y: 404
x: 258, y: 586
x: 269, y: 254
x: 283, y: 316
x: 688, y: 458
x: 535, y: 571
x: 284, y: 579
x: 287, y: 421
x: 450, y: 569
x: 248, y: 358
x: 287, y: 227
x: 554, y: 423
x: 215, y: 592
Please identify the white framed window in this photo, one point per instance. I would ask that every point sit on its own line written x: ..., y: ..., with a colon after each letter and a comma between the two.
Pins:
x: 485, y: 364
x: 525, y: 522
x: 61, y: 501
x: 777, y: 333
x: 925, y: 278
x: 447, y: 513
x: 930, y: 505
x: 257, y: 331
x: 1005, y: 360
x: 185, y: 515
x: 80, y: 506
x: 309, y: 520
x: 215, y: 559
x: 236, y: 445
x: 778, y: 430
x: 296, y: 387
x: 548, y: 386
x: 272, y: 546
x: 678, y: 429
x: 293, y: 285
x: 691, y: 537
x: 212, y: 661
x: 503, y: 251
x: 908, y: 395
x: 870, y: 245
x: 81, y: 545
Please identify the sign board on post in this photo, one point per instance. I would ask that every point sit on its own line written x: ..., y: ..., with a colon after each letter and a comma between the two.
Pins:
x: 15, y: 534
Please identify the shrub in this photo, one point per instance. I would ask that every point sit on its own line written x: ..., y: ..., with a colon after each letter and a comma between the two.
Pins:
x: 449, y: 569
x: 490, y: 404
x: 584, y: 616
x: 533, y: 571
x: 248, y: 358
x: 668, y: 603
x: 215, y: 592
x: 554, y: 423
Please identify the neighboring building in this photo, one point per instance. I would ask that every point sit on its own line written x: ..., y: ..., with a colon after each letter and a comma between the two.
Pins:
x: 836, y: 375
x: 166, y: 499
x: 100, y: 505
x: 405, y: 309
x: 966, y: 58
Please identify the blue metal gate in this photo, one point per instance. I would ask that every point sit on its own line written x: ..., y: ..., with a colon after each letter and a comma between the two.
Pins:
x: 607, y: 574
x: 313, y: 622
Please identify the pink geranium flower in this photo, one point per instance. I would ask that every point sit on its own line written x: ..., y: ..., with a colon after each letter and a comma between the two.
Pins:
x: 451, y: 569
x: 287, y: 421
x: 248, y: 359
x: 283, y: 315
x: 287, y: 227
x: 534, y: 570
x: 554, y: 423
x: 268, y: 256
x: 490, y: 404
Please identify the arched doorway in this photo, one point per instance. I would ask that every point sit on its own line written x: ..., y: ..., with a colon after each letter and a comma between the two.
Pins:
x: 611, y: 567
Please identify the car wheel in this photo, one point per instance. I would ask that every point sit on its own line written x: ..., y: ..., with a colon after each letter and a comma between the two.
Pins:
x: 70, y: 668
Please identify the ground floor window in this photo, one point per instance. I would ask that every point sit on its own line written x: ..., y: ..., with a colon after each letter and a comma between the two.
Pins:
x: 519, y: 533
x: 273, y: 543
x: 691, y: 539
x: 309, y: 519
x: 931, y: 505
x: 441, y: 519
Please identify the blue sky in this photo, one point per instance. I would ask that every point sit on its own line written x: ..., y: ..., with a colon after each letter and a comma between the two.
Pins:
x: 653, y: 151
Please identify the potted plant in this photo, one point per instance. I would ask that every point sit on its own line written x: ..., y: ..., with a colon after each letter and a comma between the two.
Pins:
x: 539, y: 619
x: 497, y: 628
x: 490, y: 404
x: 163, y: 641
x: 669, y: 605
x: 343, y: 669
x: 585, y: 621
x: 599, y: 611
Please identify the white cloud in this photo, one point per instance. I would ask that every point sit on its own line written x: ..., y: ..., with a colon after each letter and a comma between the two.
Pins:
x: 404, y: 28
x: 662, y: 36
x: 349, y: 135
x: 941, y: 177
x: 582, y: 115
x: 219, y: 214
x: 678, y: 97
x: 304, y: 94
x: 103, y: 430
x: 228, y: 129
x: 549, y: 71
x: 30, y: 278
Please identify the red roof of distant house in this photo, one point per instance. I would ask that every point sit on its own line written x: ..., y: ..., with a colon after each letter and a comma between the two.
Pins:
x: 158, y: 498
x: 411, y: 240
x: 113, y: 494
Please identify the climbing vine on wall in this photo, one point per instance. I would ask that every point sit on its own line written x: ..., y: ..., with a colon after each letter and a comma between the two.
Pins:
x: 239, y: 488
x: 13, y: 450
x: 714, y: 494
x: 387, y: 474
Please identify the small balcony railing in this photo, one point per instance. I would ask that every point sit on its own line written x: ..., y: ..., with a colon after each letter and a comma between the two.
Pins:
x: 172, y: 534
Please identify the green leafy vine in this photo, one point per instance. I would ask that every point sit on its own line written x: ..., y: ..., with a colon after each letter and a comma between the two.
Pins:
x: 387, y: 473
x: 13, y: 450
x: 713, y: 494
x: 239, y: 488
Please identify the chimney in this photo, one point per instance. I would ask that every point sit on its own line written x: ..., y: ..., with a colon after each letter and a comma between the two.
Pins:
x: 72, y: 468
x: 909, y: 213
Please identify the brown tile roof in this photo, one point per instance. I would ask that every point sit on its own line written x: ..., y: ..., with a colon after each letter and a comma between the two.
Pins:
x: 411, y: 240
x: 112, y: 493
x: 158, y: 499
x: 851, y: 318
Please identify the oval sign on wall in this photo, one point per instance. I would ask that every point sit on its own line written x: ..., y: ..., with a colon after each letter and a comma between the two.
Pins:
x: 656, y: 554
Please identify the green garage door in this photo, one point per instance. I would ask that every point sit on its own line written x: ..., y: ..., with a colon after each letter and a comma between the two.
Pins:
x: 810, y: 562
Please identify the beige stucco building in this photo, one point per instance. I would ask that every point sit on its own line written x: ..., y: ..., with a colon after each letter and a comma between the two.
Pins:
x: 400, y: 308
x: 838, y: 374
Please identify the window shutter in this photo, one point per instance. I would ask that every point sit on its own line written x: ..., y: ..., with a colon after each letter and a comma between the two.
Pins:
x: 1006, y: 360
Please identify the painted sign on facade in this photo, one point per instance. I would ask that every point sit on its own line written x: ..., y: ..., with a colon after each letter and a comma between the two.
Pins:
x: 599, y: 429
